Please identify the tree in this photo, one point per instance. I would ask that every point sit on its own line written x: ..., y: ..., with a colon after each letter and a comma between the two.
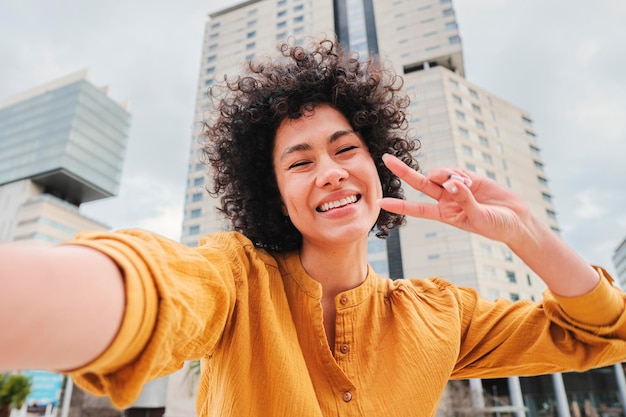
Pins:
x: 14, y: 389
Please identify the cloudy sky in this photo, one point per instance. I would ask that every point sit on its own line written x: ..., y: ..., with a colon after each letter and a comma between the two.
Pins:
x: 563, y: 61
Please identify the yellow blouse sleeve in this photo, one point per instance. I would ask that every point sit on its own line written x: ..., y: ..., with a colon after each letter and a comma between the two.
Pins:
x: 178, y: 303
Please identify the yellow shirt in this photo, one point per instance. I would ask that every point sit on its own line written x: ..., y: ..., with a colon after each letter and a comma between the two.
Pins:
x: 256, y: 321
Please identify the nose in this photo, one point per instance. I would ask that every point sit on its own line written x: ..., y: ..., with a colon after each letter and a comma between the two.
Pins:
x: 330, y: 173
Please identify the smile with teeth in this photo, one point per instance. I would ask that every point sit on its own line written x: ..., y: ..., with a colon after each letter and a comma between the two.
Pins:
x: 339, y: 203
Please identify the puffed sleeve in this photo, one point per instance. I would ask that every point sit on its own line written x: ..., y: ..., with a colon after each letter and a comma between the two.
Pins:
x: 179, y: 300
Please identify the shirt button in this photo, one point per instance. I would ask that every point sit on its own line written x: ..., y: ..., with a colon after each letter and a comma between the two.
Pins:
x: 344, y: 348
x: 347, y: 396
x: 343, y: 300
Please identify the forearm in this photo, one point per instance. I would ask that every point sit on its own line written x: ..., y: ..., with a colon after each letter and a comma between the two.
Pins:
x: 59, y: 307
x: 560, y: 267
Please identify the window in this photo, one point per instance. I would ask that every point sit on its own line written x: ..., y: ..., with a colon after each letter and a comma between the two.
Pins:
x: 199, y: 167
x: 299, y: 30
x: 251, y: 45
x: 281, y: 13
x: 208, y: 83
x: 212, y: 58
x: 531, y: 134
x: 534, y: 149
x: 454, y: 83
x: 470, y: 167
x: 210, y: 70
x: 527, y: 120
x: 448, y: 12
x: 505, y: 166
x: 251, y: 24
x: 249, y: 57
x: 196, y: 197
x: 281, y: 3
x: 429, y: 34
x: 485, y: 249
x: 538, y: 165
x: 551, y: 214
x: 480, y: 124
x: 454, y: 40
x: 433, y: 257
x: 487, y: 159
x: 510, y: 275
x: 194, y: 230
x: 298, y: 8
x: 215, y: 25
x: 493, y: 294
x: 490, y: 272
x: 281, y: 35
x: 445, y: 1
x: 281, y: 25
x: 542, y: 180
x: 546, y: 197
x: 507, y: 255
x: 430, y: 235
x: 195, y: 213
x: 483, y: 141
x: 451, y: 26
x: 490, y: 174
x: 467, y: 150
x: 198, y: 181
x: 476, y: 108
x: 514, y: 296
x: 457, y: 99
x: 214, y: 35
x: 530, y: 284
x: 464, y: 132
x: 213, y: 47
x: 251, y: 35
x: 298, y: 19
x: 460, y: 115
x: 252, y: 13
x: 473, y: 93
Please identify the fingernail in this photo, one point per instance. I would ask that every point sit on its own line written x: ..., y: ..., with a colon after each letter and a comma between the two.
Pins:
x: 450, y: 186
x: 468, y: 182
x: 456, y: 177
x: 385, y: 156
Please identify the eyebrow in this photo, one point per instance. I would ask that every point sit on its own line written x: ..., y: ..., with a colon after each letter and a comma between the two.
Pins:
x: 306, y: 147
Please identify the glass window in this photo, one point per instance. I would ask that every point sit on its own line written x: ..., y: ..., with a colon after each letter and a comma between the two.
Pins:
x: 454, y: 40
x: 210, y: 70
x: 546, y: 197
x: 212, y: 58
x: 251, y: 45
x: 298, y: 8
x: 487, y: 158
x: 483, y: 141
x: 510, y: 275
x: 470, y: 167
x: 251, y: 35
x: 473, y: 93
x: 281, y: 13
x: 542, y: 180
x: 538, y: 165
x: 448, y: 12
x: 281, y: 25
x: 457, y: 99
x: 527, y: 120
x: 467, y: 150
x: 213, y: 47
x: 476, y: 108
x: 298, y: 19
x: 433, y: 257
x: 480, y: 124
x: 251, y: 24
x: 460, y: 115
x: 215, y: 25
x: 514, y: 296
x: 281, y: 3
x: 194, y: 230
x: 208, y: 83
x: 252, y: 12
x: 491, y: 174
x: 195, y: 213
x: 464, y: 132
x: 454, y: 83
x: 534, y: 149
x: 451, y: 26
x: 196, y: 197
x: 198, y: 181
x: 551, y: 214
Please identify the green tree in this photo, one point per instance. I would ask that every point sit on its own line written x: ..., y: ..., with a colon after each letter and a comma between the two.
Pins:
x: 14, y: 389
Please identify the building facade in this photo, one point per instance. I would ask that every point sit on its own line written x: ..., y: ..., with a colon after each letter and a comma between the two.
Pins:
x: 458, y: 123
x: 619, y: 260
x: 61, y: 144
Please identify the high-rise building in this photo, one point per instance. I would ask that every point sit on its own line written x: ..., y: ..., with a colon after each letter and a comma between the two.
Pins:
x: 61, y: 144
x: 457, y: 122
x: 619, y: 260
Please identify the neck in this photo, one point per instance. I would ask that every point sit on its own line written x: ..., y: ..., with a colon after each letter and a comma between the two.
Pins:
x: 338, y: 268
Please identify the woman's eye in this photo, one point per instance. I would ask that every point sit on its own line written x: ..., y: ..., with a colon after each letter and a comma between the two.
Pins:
x: 298, y: 164
x: 346, y: 149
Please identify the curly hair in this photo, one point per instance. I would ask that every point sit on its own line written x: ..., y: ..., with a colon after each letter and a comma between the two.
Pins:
x: 238, y: 145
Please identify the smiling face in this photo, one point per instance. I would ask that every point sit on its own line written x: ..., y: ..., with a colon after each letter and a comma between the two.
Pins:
x: 326, y: 177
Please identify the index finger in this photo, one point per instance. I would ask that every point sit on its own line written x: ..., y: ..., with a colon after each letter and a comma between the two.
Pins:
x: 412, y: 177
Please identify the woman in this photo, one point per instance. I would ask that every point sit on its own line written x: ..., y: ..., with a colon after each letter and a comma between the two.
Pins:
x: 285, y: 312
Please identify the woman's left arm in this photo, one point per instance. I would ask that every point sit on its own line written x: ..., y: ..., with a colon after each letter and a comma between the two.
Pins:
x: 479, y: 205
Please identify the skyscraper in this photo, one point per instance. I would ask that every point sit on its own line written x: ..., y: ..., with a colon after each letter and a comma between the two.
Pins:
x: 457, y: 122
x: 61, y: 144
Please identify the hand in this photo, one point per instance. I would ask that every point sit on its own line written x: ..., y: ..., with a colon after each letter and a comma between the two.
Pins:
x: 464, y: 200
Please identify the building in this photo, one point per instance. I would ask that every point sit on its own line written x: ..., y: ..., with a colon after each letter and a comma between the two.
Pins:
x: 619, y: 260
x: 459, y: 124
x: 61, y: 144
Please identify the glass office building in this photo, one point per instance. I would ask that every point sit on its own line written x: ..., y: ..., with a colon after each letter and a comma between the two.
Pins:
x: 61, y: 145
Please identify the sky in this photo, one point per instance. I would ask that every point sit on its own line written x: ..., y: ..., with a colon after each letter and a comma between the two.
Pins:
x: 562, y: 61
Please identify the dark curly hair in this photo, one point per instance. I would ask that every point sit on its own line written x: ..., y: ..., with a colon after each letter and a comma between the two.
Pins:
x: 238, y: 145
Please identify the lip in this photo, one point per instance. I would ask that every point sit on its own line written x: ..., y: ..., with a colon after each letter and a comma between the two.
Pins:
x: 338, y: 196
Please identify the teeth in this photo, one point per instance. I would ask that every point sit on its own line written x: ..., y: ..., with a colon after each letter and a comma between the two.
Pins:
x: 338, y: 203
